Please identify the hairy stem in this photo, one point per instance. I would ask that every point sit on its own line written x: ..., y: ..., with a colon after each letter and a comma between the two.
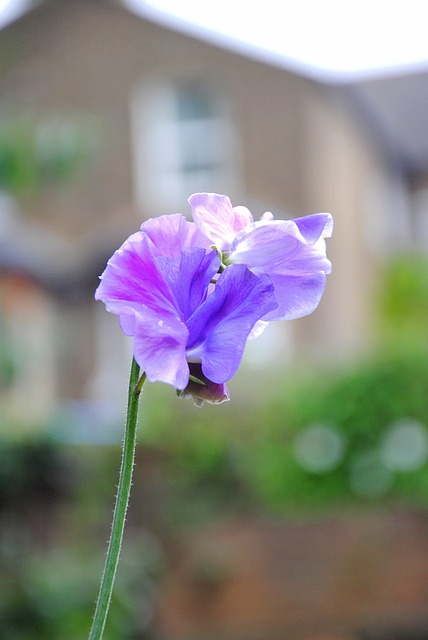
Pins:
x: 122, y: 498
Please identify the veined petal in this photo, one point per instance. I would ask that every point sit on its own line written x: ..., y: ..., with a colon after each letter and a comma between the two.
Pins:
x: 297, y: 295
x: 280, y: 246
x: 217, y: 219
x: 171, y: 234
x: 220, y: 327
x: 132, y: 279
x: 133, y: 287
x: 293, y: 254
x: 189, y: 277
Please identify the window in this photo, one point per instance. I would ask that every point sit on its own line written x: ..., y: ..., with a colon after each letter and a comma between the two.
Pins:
x: 184, y: 141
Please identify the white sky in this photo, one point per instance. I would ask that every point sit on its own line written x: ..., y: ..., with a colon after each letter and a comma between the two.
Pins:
x: 10, y: 9
x: 335, y: 38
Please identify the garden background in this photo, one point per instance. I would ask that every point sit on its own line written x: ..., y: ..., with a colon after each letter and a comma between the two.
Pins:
x: 298, y: 509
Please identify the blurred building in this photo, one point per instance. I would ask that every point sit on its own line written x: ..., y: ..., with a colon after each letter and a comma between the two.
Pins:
x: 165, y: 115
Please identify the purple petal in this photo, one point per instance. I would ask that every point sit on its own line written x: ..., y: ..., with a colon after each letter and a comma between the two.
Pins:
x: 220, y: 327
x: 217, y: 219
x: 172, y: 233
x: 134, y: 287
x: 132, y: 280
x: 160, y: 348
x: 315, y: 226
x: 189, y: 277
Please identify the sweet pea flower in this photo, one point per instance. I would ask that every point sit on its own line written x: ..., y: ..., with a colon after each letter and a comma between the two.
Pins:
x: 291, y: 252
x: 191, y: 294
x: 186, y: 331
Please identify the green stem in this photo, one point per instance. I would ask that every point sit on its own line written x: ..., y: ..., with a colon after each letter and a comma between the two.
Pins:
x: 121, y: 506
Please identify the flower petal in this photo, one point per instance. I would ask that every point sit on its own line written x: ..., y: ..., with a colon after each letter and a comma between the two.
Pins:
x: 134, y: 287
x: 160, y: 348
x: 279, y: 246
x: 220, y: 327
x: 217, y: 219
x: 189, y: 277
x: 297, y: 296
x: 172, y: 233
x: 132, y: 279
x: 315, y: 226
x: 293, y: 254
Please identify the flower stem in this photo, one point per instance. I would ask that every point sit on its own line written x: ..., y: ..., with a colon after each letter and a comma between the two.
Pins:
x: 125, y: 480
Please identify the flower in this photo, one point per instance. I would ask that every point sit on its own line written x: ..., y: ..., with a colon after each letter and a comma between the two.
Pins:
x: 291, y: 252
x: 192, y: 293
x: 187, y: 332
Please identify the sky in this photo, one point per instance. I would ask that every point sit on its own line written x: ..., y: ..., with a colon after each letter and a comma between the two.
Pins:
x: 10, y: 9
x: 334, y: 40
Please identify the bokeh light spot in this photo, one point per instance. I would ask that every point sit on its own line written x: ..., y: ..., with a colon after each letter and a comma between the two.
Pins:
x: 319, y: 448
x: 405, y: 445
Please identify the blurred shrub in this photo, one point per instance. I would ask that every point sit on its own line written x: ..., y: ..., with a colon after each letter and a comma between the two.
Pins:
x: 317, y: 443
x: 323, y: 441
x: 53, y: 534
x: 32, y: 470
x: 51, y: 595
x: 7, y: 359
x: 35, y: 152
x: 403, y: 302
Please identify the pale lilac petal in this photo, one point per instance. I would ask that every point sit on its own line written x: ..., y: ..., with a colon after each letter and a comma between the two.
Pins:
x: 265, y: 246
x: 293, y: 254
x: 297, y: 296
x: 219, y: 329
x: 171, y: 234
x: 279, y: 246
x: 217, y: 219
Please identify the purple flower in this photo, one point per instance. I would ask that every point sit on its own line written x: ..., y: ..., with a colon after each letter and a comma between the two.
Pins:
x: 187, y: 332
x: 191, y: 293
x: 291, y: 252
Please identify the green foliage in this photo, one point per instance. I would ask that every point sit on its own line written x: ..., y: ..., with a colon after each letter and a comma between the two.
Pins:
x: 51, y: 595
x: 35, y: 153
x: 324, y: 440
x: 194, y: 465
x: 250, y: 460
x: 403, y: 301
x: 31, y: 469
x: 7, y: 359
x: 53, y: 533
